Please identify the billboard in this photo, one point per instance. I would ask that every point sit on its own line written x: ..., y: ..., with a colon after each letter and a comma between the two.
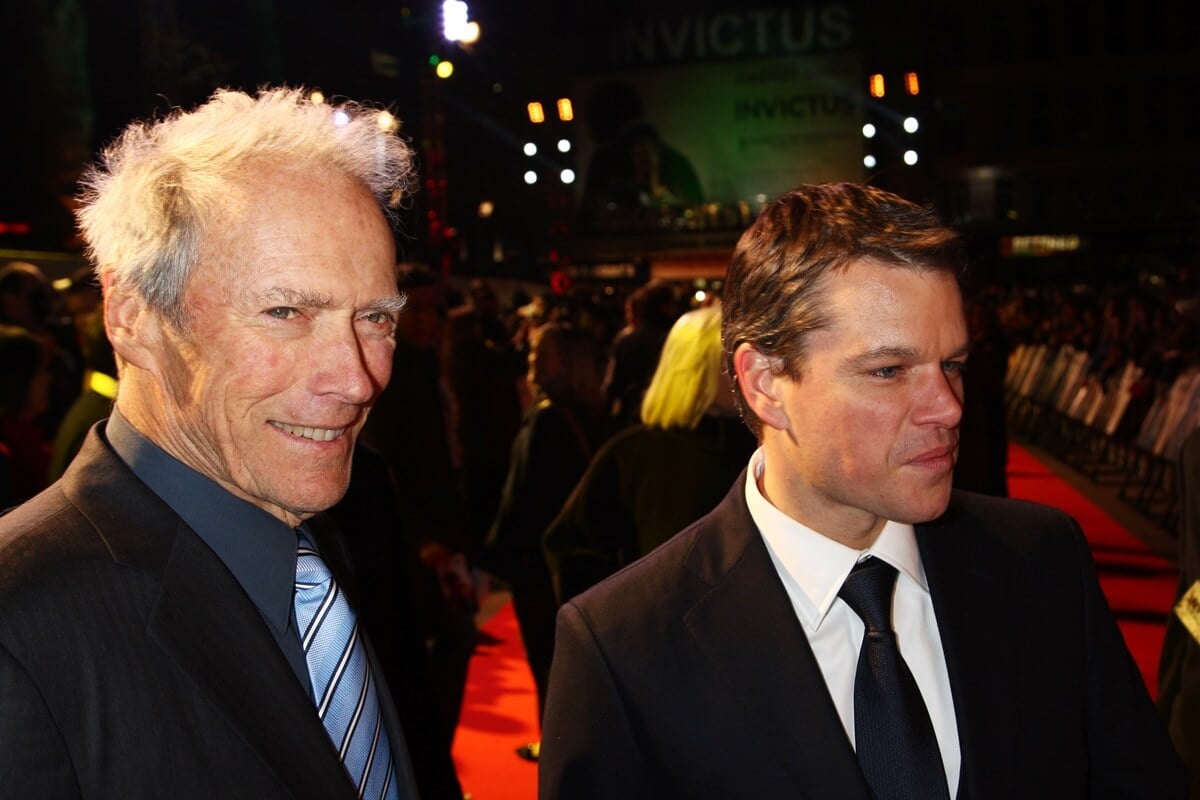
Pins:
x: 709, y: 114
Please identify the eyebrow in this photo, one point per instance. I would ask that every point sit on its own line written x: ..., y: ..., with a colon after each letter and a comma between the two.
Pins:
x: 295, y: 297
x: 394, y: 304
x: 305, y: 299
x: 898, y: 353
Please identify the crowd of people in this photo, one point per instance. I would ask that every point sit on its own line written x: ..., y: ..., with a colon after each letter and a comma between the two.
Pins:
x: 58, y: 377
x: 171, y: 514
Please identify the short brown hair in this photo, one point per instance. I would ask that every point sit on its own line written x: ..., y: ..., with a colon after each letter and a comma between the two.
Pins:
x: 777, y: 276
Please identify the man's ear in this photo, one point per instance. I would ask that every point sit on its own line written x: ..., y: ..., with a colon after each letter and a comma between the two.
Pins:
x: 131, y: 325
x: 760, y: 378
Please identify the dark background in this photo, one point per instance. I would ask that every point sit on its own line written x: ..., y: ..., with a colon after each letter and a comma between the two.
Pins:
x: 1063, y: 118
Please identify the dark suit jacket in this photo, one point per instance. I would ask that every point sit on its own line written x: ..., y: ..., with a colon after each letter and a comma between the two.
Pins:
x: 132, y: 664
x: 1179, y: 666
x: 688, y: 675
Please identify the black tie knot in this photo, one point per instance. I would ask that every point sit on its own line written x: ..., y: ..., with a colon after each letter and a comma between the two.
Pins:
x: 868, y: 590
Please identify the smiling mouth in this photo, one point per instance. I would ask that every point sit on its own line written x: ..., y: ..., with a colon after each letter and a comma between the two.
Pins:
x: 316, y: 434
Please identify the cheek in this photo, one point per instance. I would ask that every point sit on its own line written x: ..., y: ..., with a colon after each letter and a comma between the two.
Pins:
x: 865, y: 432
x: 378, y: 359
x: 254, y: 373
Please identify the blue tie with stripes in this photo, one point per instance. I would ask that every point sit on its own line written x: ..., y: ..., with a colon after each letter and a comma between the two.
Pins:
x: 341, y: 677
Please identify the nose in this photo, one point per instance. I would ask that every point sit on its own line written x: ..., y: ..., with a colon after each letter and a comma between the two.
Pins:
x: 347, y: 369
x: 941, y: 399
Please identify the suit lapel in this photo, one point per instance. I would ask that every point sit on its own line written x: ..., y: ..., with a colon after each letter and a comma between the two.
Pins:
x: 746, y: 625
x: 971, y: 599
x: 203, y: 620
x: 206, y: 623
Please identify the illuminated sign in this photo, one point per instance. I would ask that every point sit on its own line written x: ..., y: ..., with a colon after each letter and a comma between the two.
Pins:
x: 1040, y: 245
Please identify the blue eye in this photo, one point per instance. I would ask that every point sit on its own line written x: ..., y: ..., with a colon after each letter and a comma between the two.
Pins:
x: 886, y: 372
x: 283, y: 312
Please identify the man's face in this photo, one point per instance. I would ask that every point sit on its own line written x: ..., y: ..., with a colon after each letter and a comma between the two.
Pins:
x: 869, y: 431
x: 292, y: 313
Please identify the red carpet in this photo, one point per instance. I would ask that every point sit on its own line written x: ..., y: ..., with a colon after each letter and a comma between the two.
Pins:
x: 1139, y: 584
x: 500, y: 708
x: 499, y: 714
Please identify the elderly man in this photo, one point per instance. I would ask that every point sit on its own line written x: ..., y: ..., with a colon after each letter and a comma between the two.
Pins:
x: 173, y: 616
x: 842, y: 625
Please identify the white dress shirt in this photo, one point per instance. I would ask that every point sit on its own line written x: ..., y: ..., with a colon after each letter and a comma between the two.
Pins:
x: 813, y: 567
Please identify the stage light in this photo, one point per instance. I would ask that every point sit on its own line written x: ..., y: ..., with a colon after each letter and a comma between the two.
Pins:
x: 454, y: 20
x: 387, y: 122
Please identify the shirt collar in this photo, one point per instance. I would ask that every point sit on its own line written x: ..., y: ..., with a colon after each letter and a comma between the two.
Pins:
x: 257, y: 548
x: 813, y: 566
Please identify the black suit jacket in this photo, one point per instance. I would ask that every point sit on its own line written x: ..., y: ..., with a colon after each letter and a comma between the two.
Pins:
x: 132, y: 664
x: 688, y: 675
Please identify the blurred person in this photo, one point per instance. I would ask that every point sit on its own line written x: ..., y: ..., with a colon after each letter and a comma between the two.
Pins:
x: 483, y: 301
x: 650, y: 311
x: 401, y: 592
x: 95, y: 401
x: 560, y: 433
x: 25, y: 296
x: 844, y: 624
x: 173, y: 609
x: 485, y: 410
x: 654, y: 479
x: 82, y: 298
x: 530, y: 317
x: 982, y: 464
x: 28, y: 300
x: 24, y: 394
x: 632, y: 166
x: 409, y: 429
x: 1179, y: 664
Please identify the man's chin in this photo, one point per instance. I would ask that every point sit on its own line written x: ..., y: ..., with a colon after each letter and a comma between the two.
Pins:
x: 300, y: 506
x: 932, y: 505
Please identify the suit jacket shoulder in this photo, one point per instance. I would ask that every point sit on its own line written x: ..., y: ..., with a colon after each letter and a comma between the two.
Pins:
x: 687, y: 674
x: 121, y: 632
x: 1039, y: 671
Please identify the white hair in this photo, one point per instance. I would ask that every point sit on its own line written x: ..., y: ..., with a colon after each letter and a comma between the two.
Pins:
x: 144, y: 207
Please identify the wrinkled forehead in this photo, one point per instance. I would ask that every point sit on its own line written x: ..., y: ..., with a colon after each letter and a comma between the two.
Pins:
x: 276, y: 210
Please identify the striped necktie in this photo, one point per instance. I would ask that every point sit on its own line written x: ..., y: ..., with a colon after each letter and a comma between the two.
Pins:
x: 343, y: 686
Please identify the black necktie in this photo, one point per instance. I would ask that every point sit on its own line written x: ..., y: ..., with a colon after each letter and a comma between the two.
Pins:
x: 894, y: 738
